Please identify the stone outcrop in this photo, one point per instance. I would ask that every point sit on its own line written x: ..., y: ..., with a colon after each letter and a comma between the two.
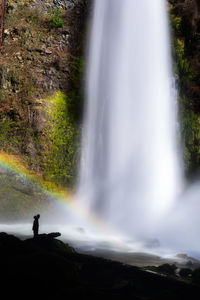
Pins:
x: 48, y: 268
x: 185, y: 19
x: 42, y: 53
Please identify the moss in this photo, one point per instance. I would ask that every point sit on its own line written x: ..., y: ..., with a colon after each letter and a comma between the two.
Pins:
x: 182, y: 68
x: 23, y: 3
x: 37, y: 60
x: 62, y: 135
x: 8, y: 133
x: 190, y: 132
x: 63, y: 130
x: 55, y: 19
x: 189, y: 120
x: 175, y: 22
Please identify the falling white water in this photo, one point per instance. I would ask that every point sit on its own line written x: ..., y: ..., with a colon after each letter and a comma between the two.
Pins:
x: 130, y: 173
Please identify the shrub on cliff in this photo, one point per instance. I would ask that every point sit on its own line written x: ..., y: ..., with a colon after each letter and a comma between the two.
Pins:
x: 55, y: 20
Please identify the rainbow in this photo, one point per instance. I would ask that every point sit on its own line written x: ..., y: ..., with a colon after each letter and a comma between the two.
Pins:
x: 13, y: 163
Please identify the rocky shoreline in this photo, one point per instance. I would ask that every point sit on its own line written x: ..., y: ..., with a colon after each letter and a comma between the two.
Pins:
x: 47, y: 267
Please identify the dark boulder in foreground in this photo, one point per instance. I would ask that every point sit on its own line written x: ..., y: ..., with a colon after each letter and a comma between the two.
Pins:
x: 47, y: 268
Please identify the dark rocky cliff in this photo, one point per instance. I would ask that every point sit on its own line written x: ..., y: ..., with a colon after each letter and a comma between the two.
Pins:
x: 185, y: 21
x: 40, y: 94
x: 48, y: 268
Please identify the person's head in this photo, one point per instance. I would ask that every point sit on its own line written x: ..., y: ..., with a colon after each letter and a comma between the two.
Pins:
x: 34, y: 217
x: 38, y: 216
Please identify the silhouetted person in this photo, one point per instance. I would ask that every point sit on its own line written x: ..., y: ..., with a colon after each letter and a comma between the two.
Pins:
x: 36, y: 226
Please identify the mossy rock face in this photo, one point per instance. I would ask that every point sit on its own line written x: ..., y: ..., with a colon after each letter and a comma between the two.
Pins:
x: 185, y: 20
x: 37, y: 64
x: 60, y: 157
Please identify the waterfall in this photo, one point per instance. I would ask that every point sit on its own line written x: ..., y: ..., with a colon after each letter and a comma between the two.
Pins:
x: 130, y: 172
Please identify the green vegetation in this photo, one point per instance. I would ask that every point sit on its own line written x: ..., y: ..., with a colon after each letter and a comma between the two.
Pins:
x: 40, y: 121
x: 39, y: 118
x: 61, y: 156
x: 23, y: 3
x: 164, y: 269
x: 55, y: 20
x: 190, y: 133
x: 182, y: 68
x: 189, y: 119
x: 8, y: 133
x: 175, y: 22
x: 63, y: 131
